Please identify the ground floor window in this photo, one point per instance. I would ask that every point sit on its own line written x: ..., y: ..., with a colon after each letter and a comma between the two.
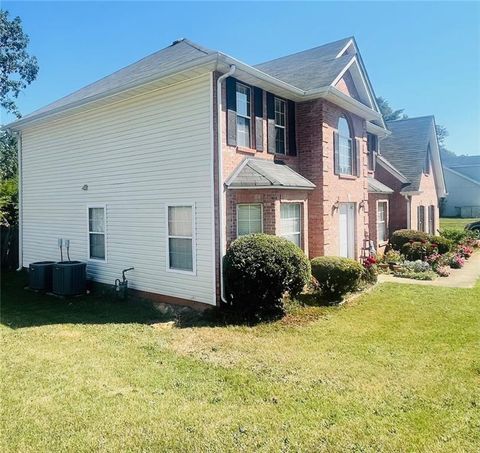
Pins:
x: 180, y: 233
x: 290, y: 216
x: 96, y: 232
x: 421, y: 218
x: 249, y: 219
x: 382, y: 221
x: 431, y: 219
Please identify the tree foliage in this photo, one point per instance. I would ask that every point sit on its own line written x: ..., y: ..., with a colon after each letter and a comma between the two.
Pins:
x: 388, y: 113
x: 17, y: 68
x: 8, y: 156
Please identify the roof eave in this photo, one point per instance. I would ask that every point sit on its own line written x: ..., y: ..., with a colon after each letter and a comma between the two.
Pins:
x: 279, y: 187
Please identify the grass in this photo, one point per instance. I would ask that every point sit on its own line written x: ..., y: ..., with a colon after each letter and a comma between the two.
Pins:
x: 454, y: 222
x: 397, y: 369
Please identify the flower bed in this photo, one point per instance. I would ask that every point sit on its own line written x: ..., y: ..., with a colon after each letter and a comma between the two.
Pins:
x: 417, y: 255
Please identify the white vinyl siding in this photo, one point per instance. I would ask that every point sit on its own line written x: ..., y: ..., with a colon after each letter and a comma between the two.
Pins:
x: 290, y: 216
x: 136, y: 156
x: 249, y: 219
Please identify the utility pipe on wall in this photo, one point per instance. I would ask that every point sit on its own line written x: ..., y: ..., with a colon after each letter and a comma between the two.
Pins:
x: 221, y: 190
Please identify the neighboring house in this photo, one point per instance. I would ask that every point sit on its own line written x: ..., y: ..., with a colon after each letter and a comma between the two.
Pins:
x: 162, y: 164
x: 463, y: 183
x: 412, y: 184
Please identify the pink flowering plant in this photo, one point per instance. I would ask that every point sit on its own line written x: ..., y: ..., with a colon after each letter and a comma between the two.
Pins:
x: 442, y: 271
x: 456, y: 261
x: 465, y: 251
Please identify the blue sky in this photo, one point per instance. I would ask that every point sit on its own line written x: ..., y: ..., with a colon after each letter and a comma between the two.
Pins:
x: 424, y: 57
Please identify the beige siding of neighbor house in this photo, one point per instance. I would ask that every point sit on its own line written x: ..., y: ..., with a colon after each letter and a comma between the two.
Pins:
x: 136, y: 156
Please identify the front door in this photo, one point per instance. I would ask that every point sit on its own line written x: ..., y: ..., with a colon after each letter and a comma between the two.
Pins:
x: 347, y: 230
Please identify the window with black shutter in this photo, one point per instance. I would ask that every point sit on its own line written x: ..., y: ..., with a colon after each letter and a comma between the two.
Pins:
x: 372, y: 147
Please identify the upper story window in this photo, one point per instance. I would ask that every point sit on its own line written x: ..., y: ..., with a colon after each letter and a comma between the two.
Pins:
x: 372, y: 146
x: 345, y: 147
x: 280, y: 109
x: 243, y: 115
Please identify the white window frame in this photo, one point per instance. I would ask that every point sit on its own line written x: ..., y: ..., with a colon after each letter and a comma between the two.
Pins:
x: 194, y: 242
x: 300, y: 235
x: 261, y: 215
x: 385, y: 221
x: 104, y: 207
x: 278, y: 126
x: 249, y: 117
x: 351, y: 143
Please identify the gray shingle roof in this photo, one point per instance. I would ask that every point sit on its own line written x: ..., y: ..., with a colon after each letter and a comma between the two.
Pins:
x: 406, y: 148
x: 180, y: 52
x: 310, y: 69
x: 375, y: 186
x: 264, y: 173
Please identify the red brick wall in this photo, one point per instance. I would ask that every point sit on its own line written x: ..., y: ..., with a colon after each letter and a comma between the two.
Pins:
x: 316, y: 122
x: 426, y: 198
x: 398, y: 206
x: 270, y: 200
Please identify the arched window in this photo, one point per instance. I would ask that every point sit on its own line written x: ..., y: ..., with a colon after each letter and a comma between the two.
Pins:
x: 345, y: 147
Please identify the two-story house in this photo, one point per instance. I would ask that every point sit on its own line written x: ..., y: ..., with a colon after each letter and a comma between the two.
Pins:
x: 162, y: 164
x: 409, y: 182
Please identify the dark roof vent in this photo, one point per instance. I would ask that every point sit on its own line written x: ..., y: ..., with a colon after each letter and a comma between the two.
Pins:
x: 178, y: 41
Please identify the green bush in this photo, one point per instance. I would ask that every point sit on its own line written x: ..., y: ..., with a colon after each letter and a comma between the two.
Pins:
x: 413, y: 251
x: 259, y: 269
x: 401, y: 237
x: 459, y: 236
x: 336, y: 276
x: 444, y: 245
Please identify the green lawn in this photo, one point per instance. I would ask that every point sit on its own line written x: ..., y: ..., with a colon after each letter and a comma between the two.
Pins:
x: 397, y: 369
x: 453, y: 222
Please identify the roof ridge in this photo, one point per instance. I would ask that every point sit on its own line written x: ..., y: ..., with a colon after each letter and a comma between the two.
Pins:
x: 196, y: 46
x: 308, y: 50
x: 409, y: 119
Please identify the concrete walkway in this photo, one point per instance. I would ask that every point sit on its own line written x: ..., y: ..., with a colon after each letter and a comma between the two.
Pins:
x: 465, y: 277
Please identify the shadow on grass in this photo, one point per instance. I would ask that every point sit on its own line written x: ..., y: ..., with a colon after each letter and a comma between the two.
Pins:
x: 22, y: 308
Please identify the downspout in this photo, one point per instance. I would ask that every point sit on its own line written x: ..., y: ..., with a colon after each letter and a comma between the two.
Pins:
x: 20, y: 202
x: 221, y: 189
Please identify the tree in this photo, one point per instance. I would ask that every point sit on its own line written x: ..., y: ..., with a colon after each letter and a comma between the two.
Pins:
x: 387, y: 112
x: 17, y: 68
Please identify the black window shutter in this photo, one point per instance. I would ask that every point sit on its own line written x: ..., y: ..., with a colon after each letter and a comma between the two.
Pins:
x: 292, y: 139
x: 258, y: 110
x: 336, y: 156
x: 357, y: 150
x: 231, y: 111
x: 271, y: 122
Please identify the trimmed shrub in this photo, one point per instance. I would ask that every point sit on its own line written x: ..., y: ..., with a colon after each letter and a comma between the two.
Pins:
x: 401, y: 237
x: 336, y: 276
x: 444, y: 245
x: 259, y: 269
x: 416, y: 250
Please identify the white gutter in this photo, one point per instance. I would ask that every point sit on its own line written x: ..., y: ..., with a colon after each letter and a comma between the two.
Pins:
x: 20, y: 202
x: 221, y: 187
